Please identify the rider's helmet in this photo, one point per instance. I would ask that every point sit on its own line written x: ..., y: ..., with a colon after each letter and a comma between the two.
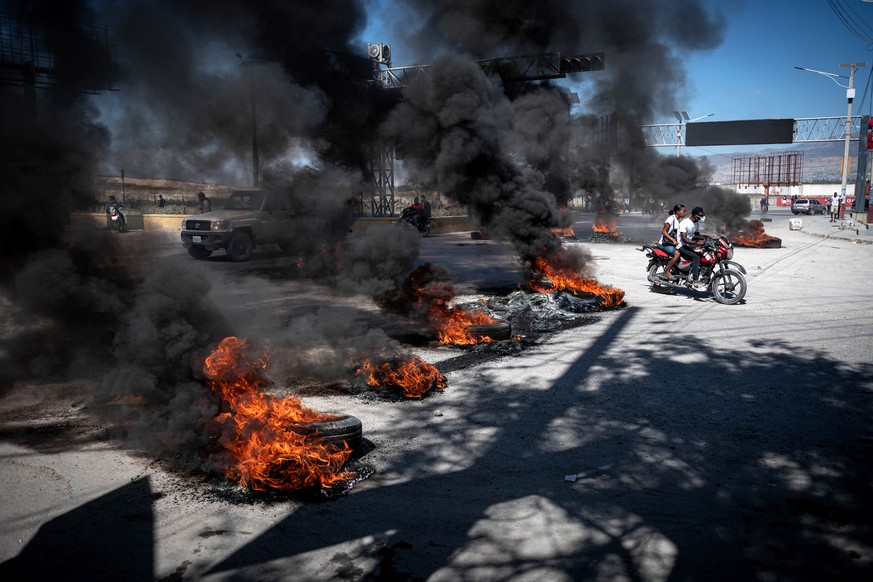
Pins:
x: 112, y: 198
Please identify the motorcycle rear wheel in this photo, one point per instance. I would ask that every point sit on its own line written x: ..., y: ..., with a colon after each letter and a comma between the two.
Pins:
x: 728, y: 287
x: 655, y: 272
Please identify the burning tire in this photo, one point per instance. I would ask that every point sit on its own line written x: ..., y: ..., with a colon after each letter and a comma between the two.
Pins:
x: 501, y: 330
x: 345, y: 428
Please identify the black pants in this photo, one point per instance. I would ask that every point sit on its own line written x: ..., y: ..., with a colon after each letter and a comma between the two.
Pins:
x: 694, y: 258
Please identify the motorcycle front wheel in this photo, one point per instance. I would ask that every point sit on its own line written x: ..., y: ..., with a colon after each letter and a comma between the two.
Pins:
x: 728, y: 287
x: 655, y: 272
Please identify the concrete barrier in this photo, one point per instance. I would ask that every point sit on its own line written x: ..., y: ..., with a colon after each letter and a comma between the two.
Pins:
x: 137, y: 221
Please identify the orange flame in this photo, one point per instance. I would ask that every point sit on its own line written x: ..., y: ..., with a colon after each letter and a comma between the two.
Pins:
x: 452, y: 325
x: 259, y: 429
x: 562, y: 280
x: 414, y: 376
x: 565, y: 232
x: 754, y: 236
x: 605, y: 225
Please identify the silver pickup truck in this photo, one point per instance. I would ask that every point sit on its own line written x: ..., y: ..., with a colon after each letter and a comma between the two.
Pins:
x: 250, y: 218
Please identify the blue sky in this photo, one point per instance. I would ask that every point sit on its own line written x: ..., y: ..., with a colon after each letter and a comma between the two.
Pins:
x: 752, y: 74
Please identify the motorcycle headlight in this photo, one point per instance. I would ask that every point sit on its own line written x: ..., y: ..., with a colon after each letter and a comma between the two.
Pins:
x: 730, y: 253
x: 220, y: 225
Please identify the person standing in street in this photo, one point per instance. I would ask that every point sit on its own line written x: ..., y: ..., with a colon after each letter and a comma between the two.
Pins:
x: 205, y: 204
x: 834, y: 207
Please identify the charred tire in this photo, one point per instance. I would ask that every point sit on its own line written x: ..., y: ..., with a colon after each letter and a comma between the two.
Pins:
x: 729, y: 287
x: 501, y: 330
x: 240, y: 247
x: 654, y: 272
x: 344, y: 428
x: 199, y: 253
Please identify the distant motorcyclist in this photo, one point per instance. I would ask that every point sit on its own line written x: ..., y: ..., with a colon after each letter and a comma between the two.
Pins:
x: 115, y: 205
x: 413, y: 213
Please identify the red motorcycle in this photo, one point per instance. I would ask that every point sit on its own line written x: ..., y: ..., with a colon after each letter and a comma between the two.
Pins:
x: 724, y: 278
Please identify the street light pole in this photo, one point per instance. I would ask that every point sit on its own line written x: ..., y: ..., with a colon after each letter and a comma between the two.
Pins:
x: 850, y: 96
x: 682, y: 118
x: 255, y: 161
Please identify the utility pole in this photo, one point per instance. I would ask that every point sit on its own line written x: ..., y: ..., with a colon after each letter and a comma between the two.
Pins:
x: 255, y: 161
x: 850, y: 96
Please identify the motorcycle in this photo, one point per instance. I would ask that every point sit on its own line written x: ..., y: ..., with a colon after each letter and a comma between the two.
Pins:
x: 405, y: 220
x: 116, y: 220
x: 723, y: 277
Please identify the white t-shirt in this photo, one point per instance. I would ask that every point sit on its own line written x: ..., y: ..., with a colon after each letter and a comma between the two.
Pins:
x: 689, y: 227
x: 672, y: 229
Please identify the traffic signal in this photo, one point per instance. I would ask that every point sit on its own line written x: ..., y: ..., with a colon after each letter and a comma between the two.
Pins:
x: 582, y: 63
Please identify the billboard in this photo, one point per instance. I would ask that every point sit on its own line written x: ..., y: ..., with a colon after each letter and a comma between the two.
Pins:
x: 748, y: 132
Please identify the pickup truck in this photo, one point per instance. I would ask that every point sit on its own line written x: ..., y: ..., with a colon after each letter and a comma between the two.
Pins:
x: 250, y: 218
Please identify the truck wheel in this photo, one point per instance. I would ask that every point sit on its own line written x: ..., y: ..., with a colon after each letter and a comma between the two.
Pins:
x: 240, y: 247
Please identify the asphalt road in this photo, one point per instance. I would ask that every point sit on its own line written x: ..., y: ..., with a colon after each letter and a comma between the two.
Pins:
x: 672, y: 439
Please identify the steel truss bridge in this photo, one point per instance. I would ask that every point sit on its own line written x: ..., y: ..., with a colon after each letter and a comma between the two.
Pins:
x: 510, y: 69
x: 806, y: 130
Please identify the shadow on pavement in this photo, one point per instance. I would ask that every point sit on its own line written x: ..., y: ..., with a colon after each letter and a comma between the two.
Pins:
x: 110, y: 538
x: 739, y: 465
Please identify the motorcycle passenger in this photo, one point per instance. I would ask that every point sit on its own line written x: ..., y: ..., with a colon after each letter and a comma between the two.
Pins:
x: 114, y: 204
x: 670, y: 242
x: 691, y: 239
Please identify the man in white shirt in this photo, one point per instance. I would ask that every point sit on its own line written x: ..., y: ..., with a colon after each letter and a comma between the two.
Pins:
x: 689, y: 236
x: 835, y: 206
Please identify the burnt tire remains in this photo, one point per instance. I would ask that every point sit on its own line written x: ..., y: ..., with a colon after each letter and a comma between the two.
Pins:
x: 336, y: 431
x: 501, y: 330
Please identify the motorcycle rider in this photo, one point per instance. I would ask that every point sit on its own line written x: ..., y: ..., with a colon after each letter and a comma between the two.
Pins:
x: 691, y: 239
x: 114, y: 204
x: 414, y: 211
x: 670, y: 241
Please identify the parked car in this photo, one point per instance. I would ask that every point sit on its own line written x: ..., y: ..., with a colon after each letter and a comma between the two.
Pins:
x: 808, y: 206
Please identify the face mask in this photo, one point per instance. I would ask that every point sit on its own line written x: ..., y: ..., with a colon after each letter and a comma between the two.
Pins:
x: 702, y: 219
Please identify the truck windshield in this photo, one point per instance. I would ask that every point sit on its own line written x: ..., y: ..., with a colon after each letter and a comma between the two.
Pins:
x: 244, y: 201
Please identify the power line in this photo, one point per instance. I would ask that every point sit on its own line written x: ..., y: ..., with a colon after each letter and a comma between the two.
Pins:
x: 852, y: 21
